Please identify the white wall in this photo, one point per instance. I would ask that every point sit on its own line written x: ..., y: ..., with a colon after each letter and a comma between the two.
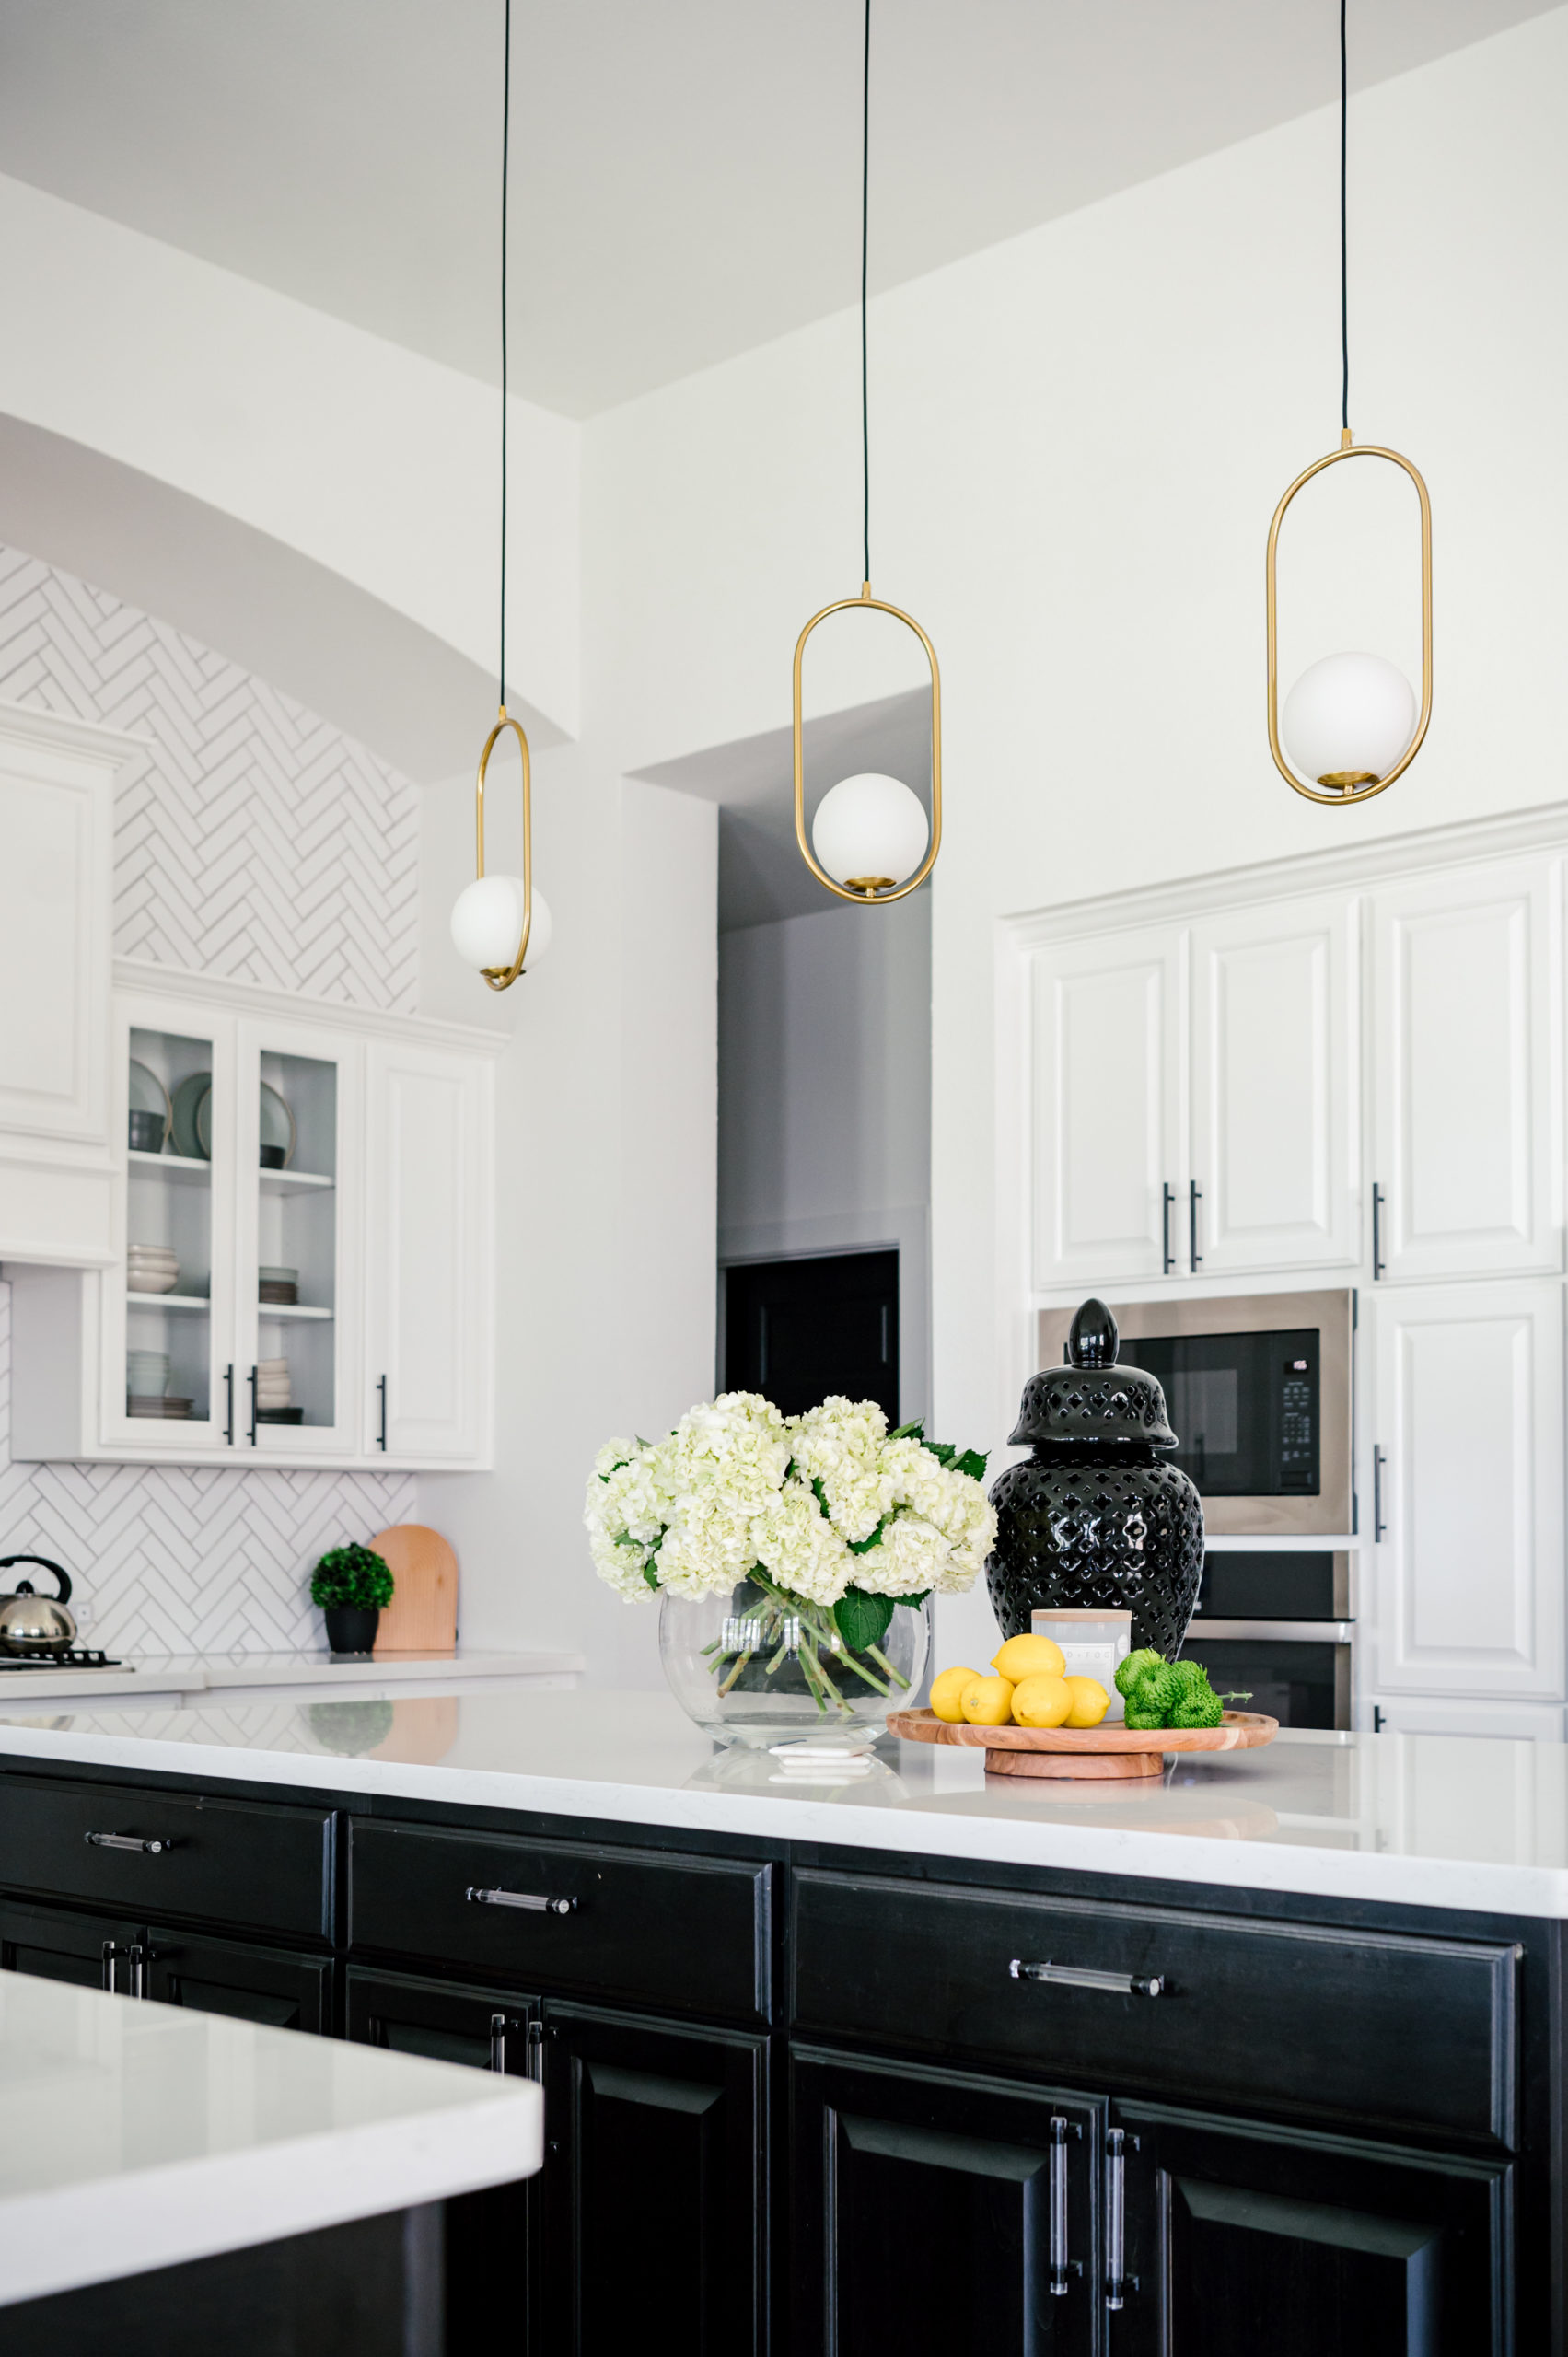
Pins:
x: 824, y: 1125
x: 1078, y: 439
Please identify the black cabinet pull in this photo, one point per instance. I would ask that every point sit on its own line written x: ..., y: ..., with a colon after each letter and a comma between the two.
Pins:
x: 1057, y: 2282
x: 1378, y: 1525
x: 536, y: 2053
x: 138, y: 1955
x: 1377, y: 1719
x: 253, y: 1407
x: 1378, y: 1263
x: 1115, y: 2217
x: 535, y: 1902
x: 1082, y: 1976
x: 1194, y: 1196
x: 381, y: 1387
x: 229, y: 1384
x: 151, y: 1849
x: 498, y: 2043
x: 1166, y: 1255
x: 108, y: 1954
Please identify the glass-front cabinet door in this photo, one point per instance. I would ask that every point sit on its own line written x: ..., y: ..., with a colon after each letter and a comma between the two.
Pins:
x: 168, y: 1303
x: 298, y: 1120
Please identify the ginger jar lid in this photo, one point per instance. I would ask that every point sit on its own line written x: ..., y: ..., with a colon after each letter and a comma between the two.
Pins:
x: 1091, y: 1402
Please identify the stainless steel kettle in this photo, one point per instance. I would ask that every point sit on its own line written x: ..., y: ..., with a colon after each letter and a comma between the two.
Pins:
x: 30, y: 1623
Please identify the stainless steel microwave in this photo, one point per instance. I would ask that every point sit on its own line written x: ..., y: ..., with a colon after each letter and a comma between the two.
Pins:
x: 1258, y: 1388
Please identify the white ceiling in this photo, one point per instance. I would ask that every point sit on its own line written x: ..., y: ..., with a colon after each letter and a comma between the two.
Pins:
x: 686, y: 181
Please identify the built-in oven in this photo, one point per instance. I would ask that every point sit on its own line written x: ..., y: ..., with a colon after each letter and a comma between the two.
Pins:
x: 1258, y: 1390
x: 1276, y: 1624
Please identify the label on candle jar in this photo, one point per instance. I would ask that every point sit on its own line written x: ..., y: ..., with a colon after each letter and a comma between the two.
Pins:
x: 1093, y: 1643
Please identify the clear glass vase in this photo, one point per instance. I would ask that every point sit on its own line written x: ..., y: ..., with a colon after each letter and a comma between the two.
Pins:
x: 760, y: 1666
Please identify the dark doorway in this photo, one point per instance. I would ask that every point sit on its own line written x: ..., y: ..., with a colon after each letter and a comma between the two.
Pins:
x: 800, y: 1329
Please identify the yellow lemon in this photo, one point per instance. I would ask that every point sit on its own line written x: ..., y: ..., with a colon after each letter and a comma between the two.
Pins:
x: 1090, y: 1703
x: 946, y: 1694
x: 987, y: 1702
x: 1028, y: 1657
x: 1042, y: 1701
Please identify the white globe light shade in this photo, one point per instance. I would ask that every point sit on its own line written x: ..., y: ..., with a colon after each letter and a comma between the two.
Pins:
x: 869, y: 826
x: 1349, y: 715
x: 487, y: 922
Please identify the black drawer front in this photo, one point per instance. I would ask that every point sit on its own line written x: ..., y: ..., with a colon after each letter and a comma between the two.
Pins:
x: 1384, y: 2027
x: 218, y: 1862
x: 677, y: 1931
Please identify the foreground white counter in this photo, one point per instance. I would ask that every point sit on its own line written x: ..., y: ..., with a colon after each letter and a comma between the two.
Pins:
x: 135, y: 2136
x: 1422, y: 1820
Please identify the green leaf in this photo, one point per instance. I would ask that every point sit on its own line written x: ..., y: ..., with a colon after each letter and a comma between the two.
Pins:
x: 972, y: 1463
x: 862, y: 1619
x: 942, y: 1450
x: 650, y: 1572
x: 820, y: 1494
x: 864, y: 1545
x: 914, y: 1602
x: 915, y: 1431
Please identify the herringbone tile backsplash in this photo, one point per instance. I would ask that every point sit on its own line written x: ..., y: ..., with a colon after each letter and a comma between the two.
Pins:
x: 254, y: 841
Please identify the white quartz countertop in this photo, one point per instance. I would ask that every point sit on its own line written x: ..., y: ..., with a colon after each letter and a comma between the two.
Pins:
x: 1453, y: 1822
x: 161, y: 1675
x: 134, y: 2135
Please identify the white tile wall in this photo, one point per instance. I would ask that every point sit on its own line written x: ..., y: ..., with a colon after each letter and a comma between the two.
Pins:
x: 258, y: 842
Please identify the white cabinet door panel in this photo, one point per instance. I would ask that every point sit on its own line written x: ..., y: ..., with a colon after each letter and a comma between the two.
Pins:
x: 1469, y: 1573
x: 1275, y: 1137
x: 1467, y: 1071
x: 1107, y: 1073
x: 429, y: 1241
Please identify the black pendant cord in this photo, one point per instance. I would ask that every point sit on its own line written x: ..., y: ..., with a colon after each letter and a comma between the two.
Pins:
x: 505, y: 159
x: 865, y: 250
x: 1344, y: 241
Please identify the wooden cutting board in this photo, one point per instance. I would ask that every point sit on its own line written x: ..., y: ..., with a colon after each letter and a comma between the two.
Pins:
x: 422, y: 1615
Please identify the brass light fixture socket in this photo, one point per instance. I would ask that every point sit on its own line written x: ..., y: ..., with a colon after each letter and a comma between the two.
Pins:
x: 870, y: 891
x: 1350, y: 785
x: 501, y: 977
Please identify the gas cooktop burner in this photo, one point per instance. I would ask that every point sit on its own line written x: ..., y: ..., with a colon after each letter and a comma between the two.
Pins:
x: 73, y: 1657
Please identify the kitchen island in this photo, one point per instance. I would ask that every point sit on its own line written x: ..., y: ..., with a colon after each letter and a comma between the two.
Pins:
x: 1093, y: 2072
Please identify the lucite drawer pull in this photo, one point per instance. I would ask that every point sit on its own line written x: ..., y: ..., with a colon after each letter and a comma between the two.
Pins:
x: 129, y: 1841
x: 1081, y: 1976
x: 1057, y: 2281
x: 535, y: 1902
x: 1116, y: 2218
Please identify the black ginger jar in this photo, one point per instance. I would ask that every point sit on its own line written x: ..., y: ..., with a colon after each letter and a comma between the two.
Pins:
x: 1095, y: 1517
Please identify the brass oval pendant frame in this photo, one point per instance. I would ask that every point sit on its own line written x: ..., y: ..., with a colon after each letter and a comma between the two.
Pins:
x: 866, y: 602
x: 501, y: 977
x: 1350, y: 792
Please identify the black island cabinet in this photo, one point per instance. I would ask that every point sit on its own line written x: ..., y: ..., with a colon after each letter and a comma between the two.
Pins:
x: 814, y: 2102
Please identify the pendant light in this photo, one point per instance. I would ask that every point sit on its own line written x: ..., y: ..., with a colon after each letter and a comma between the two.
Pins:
x: 1350, y: 725
x: 870, y: 840
x: 498, y: 921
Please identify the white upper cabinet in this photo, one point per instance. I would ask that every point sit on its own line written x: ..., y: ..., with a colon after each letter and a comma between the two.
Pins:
x: 1108, y: 1023
x: 427, y: 1235
x: 1275, y: 1086
x: 56, y: 846
x: 1467, y: 1071
x: 1468, y: 1489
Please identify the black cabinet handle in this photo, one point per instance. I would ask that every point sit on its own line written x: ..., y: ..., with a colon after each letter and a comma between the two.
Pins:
x: 498, y: 2043
x: 536, y: 2053
x: 1082, y: 1976
x: 1377, y: 1719
x: 381, y: 1387
x: 1377, y: 1263
x: 229, y: 1384
x: 1194, y: 1196
x: 1166, y: 1255
x: 253, y: 1373
x: 151, y: 1849
x: 1057, y: 2281
x: 1378, y: 1525
x: 1115, y: 2217
x: 535, y: 1902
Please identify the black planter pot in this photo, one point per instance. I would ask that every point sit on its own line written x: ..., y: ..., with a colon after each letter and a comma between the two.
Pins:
x: 1095, y: 1517
x: 351, y: 1629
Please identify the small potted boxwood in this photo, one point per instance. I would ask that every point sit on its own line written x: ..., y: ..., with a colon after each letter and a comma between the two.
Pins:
x: 350, y: 1584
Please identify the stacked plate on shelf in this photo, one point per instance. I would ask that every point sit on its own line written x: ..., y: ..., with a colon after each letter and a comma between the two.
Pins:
x: 146, y: 1386
x: 274, y: 1394
x: 151, y: 1268
x: 279, y: 1286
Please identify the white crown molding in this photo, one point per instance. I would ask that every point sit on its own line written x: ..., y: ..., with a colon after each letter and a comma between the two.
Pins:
x: 1543, y: 828
x: 247, y: 998
x: 22, y: 724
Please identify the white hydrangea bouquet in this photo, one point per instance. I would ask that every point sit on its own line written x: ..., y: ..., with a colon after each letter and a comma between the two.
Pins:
x: 813, y: 1530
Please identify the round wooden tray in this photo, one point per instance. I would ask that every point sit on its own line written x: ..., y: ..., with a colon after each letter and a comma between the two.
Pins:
x: 1103, y: 1752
